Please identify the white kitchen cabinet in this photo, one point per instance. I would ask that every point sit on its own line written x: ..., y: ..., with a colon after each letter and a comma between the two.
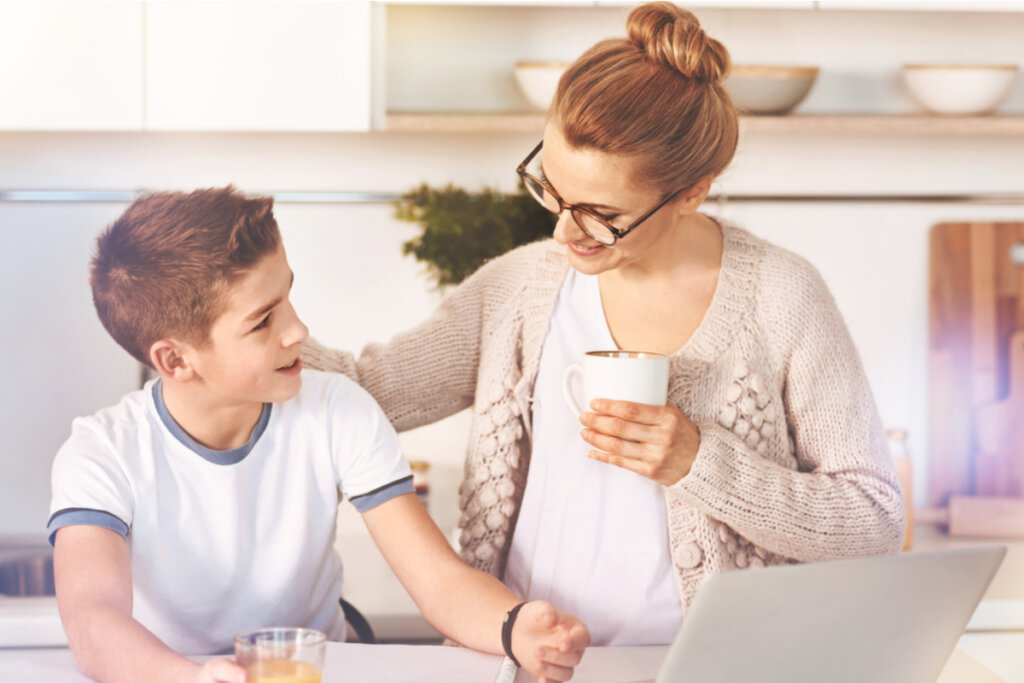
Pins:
x: 71, y: 65
x: 295, y: 66
x: 924, y: 5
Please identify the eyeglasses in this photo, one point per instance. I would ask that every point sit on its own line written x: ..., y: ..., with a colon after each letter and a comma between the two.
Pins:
x: 596, y: 227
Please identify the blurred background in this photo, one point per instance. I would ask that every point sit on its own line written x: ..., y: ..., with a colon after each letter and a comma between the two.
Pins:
x: 339, y: 108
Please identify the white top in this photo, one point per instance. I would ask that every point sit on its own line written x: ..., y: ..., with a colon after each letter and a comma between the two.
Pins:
x: 223, y: 541
x: 591, y: 538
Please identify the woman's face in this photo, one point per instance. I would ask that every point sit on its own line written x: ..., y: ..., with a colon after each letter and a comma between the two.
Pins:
x: 604, y: 184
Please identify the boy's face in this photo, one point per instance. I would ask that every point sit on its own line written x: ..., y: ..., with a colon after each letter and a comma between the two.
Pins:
x: 253, y: 354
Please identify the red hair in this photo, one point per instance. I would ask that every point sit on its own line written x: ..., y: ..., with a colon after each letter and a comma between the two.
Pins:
x: 164, y: 267
x: 656, y: 95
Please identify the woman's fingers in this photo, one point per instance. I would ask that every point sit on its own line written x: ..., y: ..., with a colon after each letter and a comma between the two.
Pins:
x: 614, y: 445
x: 620, y: 427
x: 627, y: 410
x: 641, y: 467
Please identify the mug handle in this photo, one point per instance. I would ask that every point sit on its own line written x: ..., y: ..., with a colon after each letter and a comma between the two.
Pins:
x: 567, y: 388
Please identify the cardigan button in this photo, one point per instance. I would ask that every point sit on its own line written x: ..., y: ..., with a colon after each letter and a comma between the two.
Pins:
x: 689, y: 555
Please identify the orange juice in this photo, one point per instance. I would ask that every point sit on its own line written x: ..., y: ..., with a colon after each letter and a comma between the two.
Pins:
x: 277, y: 671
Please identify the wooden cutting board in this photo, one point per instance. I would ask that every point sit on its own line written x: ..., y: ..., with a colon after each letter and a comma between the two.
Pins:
x: 977, y: 303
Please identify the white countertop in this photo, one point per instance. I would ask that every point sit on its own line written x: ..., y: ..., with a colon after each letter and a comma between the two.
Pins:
x: 425, y: 664
x: 994, y: 636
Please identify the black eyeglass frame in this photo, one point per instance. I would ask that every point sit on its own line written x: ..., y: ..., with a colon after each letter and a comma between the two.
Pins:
x: 617, y: 233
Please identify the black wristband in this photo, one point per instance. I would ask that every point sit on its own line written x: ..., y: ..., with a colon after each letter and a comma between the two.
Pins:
x: 506, y: 632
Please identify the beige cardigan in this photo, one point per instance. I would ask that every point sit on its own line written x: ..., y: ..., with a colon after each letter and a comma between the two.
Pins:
x: 793, y: 464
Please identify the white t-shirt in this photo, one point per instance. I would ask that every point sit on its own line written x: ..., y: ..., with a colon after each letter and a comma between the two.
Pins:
x: 591, y: 538
x: 223, y: 541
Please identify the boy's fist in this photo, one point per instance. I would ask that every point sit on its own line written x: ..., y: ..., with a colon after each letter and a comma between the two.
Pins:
x: 221, y: 671
x: 548, y: 643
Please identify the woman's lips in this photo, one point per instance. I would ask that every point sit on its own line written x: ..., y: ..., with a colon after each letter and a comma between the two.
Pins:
x: 293, y: 369
x: 581, y: 250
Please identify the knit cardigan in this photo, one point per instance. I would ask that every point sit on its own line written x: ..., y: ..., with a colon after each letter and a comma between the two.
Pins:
x: 793, y: 465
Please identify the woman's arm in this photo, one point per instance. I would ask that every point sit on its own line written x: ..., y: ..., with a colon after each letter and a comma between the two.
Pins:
x: 429, y: 372
x: 94, y: 595
x: 842, y: 499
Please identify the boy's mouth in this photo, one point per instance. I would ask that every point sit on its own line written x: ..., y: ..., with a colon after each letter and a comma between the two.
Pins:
x: 292, y: 368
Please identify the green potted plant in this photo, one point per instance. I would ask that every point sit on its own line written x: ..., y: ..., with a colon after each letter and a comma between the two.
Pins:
x: 462, y: 230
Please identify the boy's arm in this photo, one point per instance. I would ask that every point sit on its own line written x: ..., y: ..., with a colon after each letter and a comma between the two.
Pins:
x: 466, y: 604
x: 94, y: 594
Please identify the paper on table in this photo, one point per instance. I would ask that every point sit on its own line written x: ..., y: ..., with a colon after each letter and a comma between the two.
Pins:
x: 628, y: 664
x: 26, y: 670
x: 402, y: 663
x: 429, y: 663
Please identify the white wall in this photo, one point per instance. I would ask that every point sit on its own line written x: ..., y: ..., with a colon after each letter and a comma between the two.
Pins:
x: 353, y: 285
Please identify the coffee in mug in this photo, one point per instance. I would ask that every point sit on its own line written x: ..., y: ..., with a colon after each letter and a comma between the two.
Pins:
x: 636, y: 376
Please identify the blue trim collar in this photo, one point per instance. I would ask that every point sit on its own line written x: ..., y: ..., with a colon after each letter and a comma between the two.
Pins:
x: 229, y: 457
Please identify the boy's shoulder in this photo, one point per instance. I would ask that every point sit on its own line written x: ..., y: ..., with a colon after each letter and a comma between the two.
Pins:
x: 130, y: 415
x: 330, y: 392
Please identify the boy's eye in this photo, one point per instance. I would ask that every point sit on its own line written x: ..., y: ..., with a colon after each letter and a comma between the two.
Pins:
x: 263, y: 323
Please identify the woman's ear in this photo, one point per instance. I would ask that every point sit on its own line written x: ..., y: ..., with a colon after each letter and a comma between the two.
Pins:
x: 168, y: 358
x: 691, y: 199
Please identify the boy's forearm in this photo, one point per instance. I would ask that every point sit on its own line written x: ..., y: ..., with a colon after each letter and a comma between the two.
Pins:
x: 94, y: 594
x: 463, y: 603
x: 469, y: 607
x: 111, y: 647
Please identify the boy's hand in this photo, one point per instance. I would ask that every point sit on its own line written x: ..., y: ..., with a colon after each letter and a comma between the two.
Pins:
x: 548, y: 643
x: 221, y: 671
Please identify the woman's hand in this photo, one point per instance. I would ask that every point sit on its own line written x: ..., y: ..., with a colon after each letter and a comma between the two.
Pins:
x: 657, y: 442
x: 548, y: 643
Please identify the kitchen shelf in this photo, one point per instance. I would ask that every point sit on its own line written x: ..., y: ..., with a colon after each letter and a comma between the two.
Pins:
x: 819, y: 124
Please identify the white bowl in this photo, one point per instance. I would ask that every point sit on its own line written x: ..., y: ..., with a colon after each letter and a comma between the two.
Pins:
x: 959, y: 89
x: 539, y: 80
x: 766, y: 89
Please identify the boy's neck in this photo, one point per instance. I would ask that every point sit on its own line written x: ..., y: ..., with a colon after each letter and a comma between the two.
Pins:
x: 213, y: 422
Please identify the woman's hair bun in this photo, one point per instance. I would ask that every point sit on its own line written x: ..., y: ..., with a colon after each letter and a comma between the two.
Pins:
x: 672, y: 36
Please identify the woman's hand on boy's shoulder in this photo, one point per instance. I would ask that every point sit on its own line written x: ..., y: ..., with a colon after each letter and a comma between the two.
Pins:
x: 548, y: 643
x: 221, y: 671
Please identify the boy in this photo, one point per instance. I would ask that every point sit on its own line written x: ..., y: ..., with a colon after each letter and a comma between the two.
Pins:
x: 204, y: 504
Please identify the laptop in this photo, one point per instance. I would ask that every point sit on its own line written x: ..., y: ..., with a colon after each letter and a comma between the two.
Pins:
x: 870, y: 620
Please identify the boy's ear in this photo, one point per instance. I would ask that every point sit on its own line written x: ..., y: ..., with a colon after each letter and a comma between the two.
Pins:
x: 692, y: 198
x: 168, y: 358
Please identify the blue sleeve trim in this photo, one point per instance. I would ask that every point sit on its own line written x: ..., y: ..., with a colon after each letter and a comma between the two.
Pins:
x: 73, y: 516
x: 368, y: 501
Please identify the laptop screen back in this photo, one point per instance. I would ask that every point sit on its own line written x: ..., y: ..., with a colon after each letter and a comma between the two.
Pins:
x: 880, y: 619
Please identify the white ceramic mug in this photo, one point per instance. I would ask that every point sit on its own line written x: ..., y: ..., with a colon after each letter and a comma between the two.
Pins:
x: 637, y: 376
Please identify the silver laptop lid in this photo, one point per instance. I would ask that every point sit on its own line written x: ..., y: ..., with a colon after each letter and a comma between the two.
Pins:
x: 879, y: 619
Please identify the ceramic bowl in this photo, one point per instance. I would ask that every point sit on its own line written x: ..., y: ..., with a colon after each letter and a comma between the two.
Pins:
x: 539, y: 80
x: 766, y: 89
x: 959, y: 89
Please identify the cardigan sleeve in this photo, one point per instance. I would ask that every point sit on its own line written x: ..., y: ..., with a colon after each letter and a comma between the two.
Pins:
x: 430, y: 371
x: 423, y: 374
x: 842, y: 498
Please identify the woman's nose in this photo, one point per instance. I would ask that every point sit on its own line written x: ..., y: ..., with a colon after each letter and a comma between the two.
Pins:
x: 566, y: 229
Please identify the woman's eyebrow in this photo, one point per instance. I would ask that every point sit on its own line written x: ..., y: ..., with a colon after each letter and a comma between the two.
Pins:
x: 585, y: 205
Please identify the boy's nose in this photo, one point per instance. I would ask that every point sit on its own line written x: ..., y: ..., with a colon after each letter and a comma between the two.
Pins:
x: 297, y: 331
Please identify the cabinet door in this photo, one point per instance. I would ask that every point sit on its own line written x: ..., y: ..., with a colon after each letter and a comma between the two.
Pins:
x: 71, y: 65
x: 258, y: 66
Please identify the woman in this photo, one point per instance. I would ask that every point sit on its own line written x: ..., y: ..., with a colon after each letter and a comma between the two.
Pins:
x: 770, y: 449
